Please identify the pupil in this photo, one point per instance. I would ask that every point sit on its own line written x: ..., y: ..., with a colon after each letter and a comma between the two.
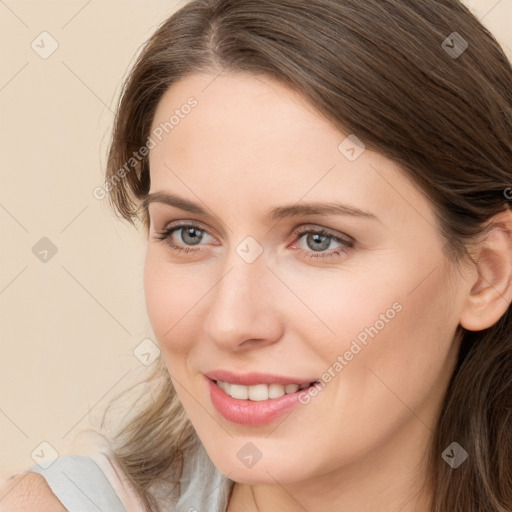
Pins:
x: 324, y: 244
x: 189, y: 233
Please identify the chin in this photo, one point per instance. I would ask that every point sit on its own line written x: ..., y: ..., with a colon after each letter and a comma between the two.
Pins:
x: 264, y: 471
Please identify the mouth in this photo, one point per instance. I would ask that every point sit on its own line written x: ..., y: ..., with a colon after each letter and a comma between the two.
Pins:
x: 260, y: 392
x: 257, y: 404
x: 257, y: 398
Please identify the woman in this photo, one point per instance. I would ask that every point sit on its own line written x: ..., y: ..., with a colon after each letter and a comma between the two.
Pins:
x: 341, y: 336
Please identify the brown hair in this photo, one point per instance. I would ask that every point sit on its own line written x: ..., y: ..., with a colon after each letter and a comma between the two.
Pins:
x: 378, y: 69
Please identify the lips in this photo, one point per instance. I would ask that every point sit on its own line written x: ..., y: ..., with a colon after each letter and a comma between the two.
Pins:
x: 254, y: 378
x: 261, y: 398
x: 248, y: 412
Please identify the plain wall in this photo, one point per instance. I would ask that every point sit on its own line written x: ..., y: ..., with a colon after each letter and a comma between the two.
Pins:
x: 69, y: 325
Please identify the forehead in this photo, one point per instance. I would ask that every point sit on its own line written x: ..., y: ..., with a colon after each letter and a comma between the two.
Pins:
x: 253, y: 135
x: 238, y: 113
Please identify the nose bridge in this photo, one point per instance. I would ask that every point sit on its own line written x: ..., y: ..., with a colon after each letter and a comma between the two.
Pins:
x: 241, y: 303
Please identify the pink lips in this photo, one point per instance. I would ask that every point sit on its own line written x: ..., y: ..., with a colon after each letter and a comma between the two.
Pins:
x: 249, y: 412
x: 253, y: 378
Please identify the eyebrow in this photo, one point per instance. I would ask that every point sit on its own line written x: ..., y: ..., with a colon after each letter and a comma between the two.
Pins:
x: 276, y: 213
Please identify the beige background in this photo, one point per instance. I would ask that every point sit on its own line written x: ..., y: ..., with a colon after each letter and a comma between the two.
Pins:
x: 69, y: 326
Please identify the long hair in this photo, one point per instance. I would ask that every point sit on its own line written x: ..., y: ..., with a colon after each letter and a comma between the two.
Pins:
x: 422, y: 82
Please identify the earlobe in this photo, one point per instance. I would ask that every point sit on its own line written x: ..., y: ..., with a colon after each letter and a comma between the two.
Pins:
x: 491, y: 293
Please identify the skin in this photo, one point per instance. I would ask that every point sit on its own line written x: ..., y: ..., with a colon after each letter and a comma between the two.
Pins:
x: 252, y: 144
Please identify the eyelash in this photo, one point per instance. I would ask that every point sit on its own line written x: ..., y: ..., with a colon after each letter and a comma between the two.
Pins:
x: 165, y: 236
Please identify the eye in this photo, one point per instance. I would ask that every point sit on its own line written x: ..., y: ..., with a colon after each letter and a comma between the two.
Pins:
x: 320, y: 239
x: 316, y: 239
x: 189, y: 234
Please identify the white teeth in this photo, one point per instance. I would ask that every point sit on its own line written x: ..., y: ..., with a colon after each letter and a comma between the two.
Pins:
x: 237, y: 391
x: 259, y: 392
x: 276, y: 391
x: 291, y: 388
x: 223, y: 385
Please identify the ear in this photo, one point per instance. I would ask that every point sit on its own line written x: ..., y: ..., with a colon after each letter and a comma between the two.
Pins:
x: 491, y: 292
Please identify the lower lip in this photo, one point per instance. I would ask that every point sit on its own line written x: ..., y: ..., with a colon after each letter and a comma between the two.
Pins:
x: 250, y: 412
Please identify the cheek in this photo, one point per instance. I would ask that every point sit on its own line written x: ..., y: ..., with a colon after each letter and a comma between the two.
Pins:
x: 170, y: 295
x: 344, y: 307
x: 392, y: 330
x: 398, y: 376
x: 407, y: 362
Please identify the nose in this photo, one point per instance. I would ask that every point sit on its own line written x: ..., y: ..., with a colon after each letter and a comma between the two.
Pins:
x: 244, y: 308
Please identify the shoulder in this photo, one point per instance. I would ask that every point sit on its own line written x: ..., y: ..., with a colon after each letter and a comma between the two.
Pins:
x: 74, y: 482
x: 28, y: 492
x: 118, y: 480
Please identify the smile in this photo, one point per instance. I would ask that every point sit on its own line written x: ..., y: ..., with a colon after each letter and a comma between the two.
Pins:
x: 260, y: 392
x: 258, y: 404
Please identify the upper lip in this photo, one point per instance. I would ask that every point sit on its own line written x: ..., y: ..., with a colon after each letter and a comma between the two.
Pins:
x: 253, y: 378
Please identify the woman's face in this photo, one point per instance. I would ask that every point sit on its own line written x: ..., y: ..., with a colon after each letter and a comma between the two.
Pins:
x: 369, y: 308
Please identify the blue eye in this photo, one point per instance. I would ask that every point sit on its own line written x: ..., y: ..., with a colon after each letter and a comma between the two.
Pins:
x: 188, y: 232
x: 191, y: 235
x: 323, y: 239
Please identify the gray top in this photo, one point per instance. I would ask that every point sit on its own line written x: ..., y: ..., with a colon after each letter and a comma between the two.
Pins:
x: 81, y: 485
